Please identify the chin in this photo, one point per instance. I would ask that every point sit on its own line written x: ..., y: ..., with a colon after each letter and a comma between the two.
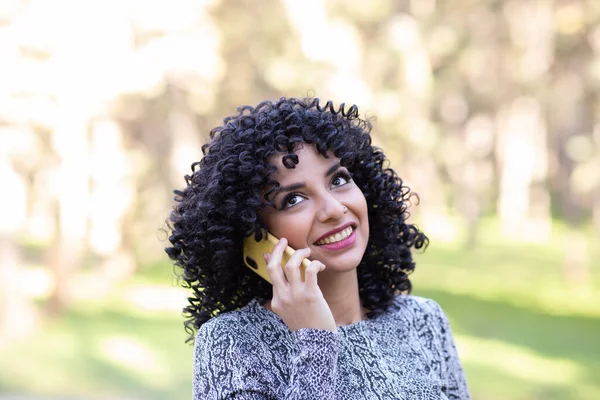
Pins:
x: 342, y: 262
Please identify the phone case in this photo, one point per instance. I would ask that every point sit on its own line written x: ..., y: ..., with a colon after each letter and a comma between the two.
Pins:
x: 254, y: 255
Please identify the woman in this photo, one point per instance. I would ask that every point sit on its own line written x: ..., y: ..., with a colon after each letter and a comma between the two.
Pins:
x: 309, y: 175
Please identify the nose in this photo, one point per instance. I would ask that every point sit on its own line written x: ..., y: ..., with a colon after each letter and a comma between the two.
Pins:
x: 331, y: 209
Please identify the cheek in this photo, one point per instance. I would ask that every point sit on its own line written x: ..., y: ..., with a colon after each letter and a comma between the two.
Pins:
x: 360, y: 204
x: 365, y: 222
x: 363, y: 210
x: 295, y: 230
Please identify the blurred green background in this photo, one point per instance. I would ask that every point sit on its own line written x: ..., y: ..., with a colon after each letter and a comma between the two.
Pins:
x: 489, y: 110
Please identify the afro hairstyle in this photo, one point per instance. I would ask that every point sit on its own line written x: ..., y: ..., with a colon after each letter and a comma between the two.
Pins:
x: 219, y: 206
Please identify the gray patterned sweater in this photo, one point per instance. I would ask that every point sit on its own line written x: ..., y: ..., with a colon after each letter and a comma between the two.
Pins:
x: 407, y: 352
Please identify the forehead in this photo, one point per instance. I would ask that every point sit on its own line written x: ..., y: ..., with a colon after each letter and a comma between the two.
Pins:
x: 309, y: 160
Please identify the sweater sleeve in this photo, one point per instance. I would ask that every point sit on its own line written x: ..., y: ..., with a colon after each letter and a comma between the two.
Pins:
x: 454, y: 374
x: 232, y: 363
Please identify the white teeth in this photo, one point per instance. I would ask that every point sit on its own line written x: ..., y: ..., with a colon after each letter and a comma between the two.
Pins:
x: 337, y: 237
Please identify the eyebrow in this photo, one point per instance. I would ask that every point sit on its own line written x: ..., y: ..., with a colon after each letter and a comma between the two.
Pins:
x: 300, y: 185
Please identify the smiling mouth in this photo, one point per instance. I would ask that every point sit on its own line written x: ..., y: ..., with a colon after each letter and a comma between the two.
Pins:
x: 338, y: 237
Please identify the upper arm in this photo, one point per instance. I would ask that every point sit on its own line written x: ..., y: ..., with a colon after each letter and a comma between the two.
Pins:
x: 227, y: 365
x: 233, y: 361
x: 452, y: 371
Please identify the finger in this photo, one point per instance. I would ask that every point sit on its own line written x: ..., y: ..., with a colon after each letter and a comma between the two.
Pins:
x: 274, y: 264
x: 310, y: 275
x: 292, y: 268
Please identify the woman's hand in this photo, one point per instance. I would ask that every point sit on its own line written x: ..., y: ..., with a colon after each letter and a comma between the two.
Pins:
x: 299, y: 304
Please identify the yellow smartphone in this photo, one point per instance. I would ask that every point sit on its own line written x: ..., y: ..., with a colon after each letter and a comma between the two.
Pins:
x: 254, y: 255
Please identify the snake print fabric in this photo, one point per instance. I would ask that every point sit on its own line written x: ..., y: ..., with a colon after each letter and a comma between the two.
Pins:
x: 408, y: 352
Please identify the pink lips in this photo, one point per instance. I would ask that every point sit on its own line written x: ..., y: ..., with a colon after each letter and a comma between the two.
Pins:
x: 342, y: 244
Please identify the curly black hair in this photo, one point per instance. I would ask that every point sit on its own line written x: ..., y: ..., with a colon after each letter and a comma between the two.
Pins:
x: 219, y: 206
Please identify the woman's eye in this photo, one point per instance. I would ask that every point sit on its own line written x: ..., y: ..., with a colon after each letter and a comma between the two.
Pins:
x: 338, y: 181
x: 341, y: 179
x: 292, y: 200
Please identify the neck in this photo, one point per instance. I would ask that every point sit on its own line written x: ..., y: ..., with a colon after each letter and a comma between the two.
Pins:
x: 341, y: 293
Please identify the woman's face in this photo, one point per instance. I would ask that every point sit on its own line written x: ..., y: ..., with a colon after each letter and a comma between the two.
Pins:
x: 319, y: 206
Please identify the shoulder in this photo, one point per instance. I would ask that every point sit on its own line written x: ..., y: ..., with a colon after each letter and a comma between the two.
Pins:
x: 237, y: 323
x: 229, y: 350
x: 407, y: 302
x: 247, y: 329
x: 226, y: 339
x: 420, y: 310
x: 230, y: 320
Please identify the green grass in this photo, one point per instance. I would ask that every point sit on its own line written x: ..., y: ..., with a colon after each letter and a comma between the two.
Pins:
x: 522, y: 332
x: 106, y: 350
